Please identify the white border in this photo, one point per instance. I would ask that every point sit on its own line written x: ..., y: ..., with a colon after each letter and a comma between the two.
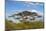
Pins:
x: 2, y: 20
x: 2, y: 16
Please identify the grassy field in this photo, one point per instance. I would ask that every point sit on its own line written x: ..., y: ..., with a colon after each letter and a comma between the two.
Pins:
x: 24, y: 25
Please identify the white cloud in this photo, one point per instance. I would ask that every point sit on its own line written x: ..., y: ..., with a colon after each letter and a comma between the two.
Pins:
x: 36, y: 3
x: 34, y: 11
x: 28, y: 2
x: 38, y: 12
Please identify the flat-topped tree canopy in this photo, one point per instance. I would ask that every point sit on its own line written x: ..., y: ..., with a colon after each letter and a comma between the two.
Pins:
x: 25, y: 13
x: 12, y: 16
x: 34, y: 14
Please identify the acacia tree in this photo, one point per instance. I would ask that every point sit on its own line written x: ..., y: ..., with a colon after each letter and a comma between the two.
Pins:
x: 34, y: 14
x: 25, y: 14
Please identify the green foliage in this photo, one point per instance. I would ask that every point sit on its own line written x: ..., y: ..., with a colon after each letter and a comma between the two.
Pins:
x: 24, y: 25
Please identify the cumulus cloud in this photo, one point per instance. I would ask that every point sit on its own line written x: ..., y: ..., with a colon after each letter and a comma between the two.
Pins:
x: 34, y: 10
x: 38, y: 12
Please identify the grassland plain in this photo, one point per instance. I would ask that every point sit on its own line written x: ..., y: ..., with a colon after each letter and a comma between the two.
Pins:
x: 24, y: 25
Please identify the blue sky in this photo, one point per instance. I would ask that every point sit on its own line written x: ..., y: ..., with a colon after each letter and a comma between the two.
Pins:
x: 18, y: 6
